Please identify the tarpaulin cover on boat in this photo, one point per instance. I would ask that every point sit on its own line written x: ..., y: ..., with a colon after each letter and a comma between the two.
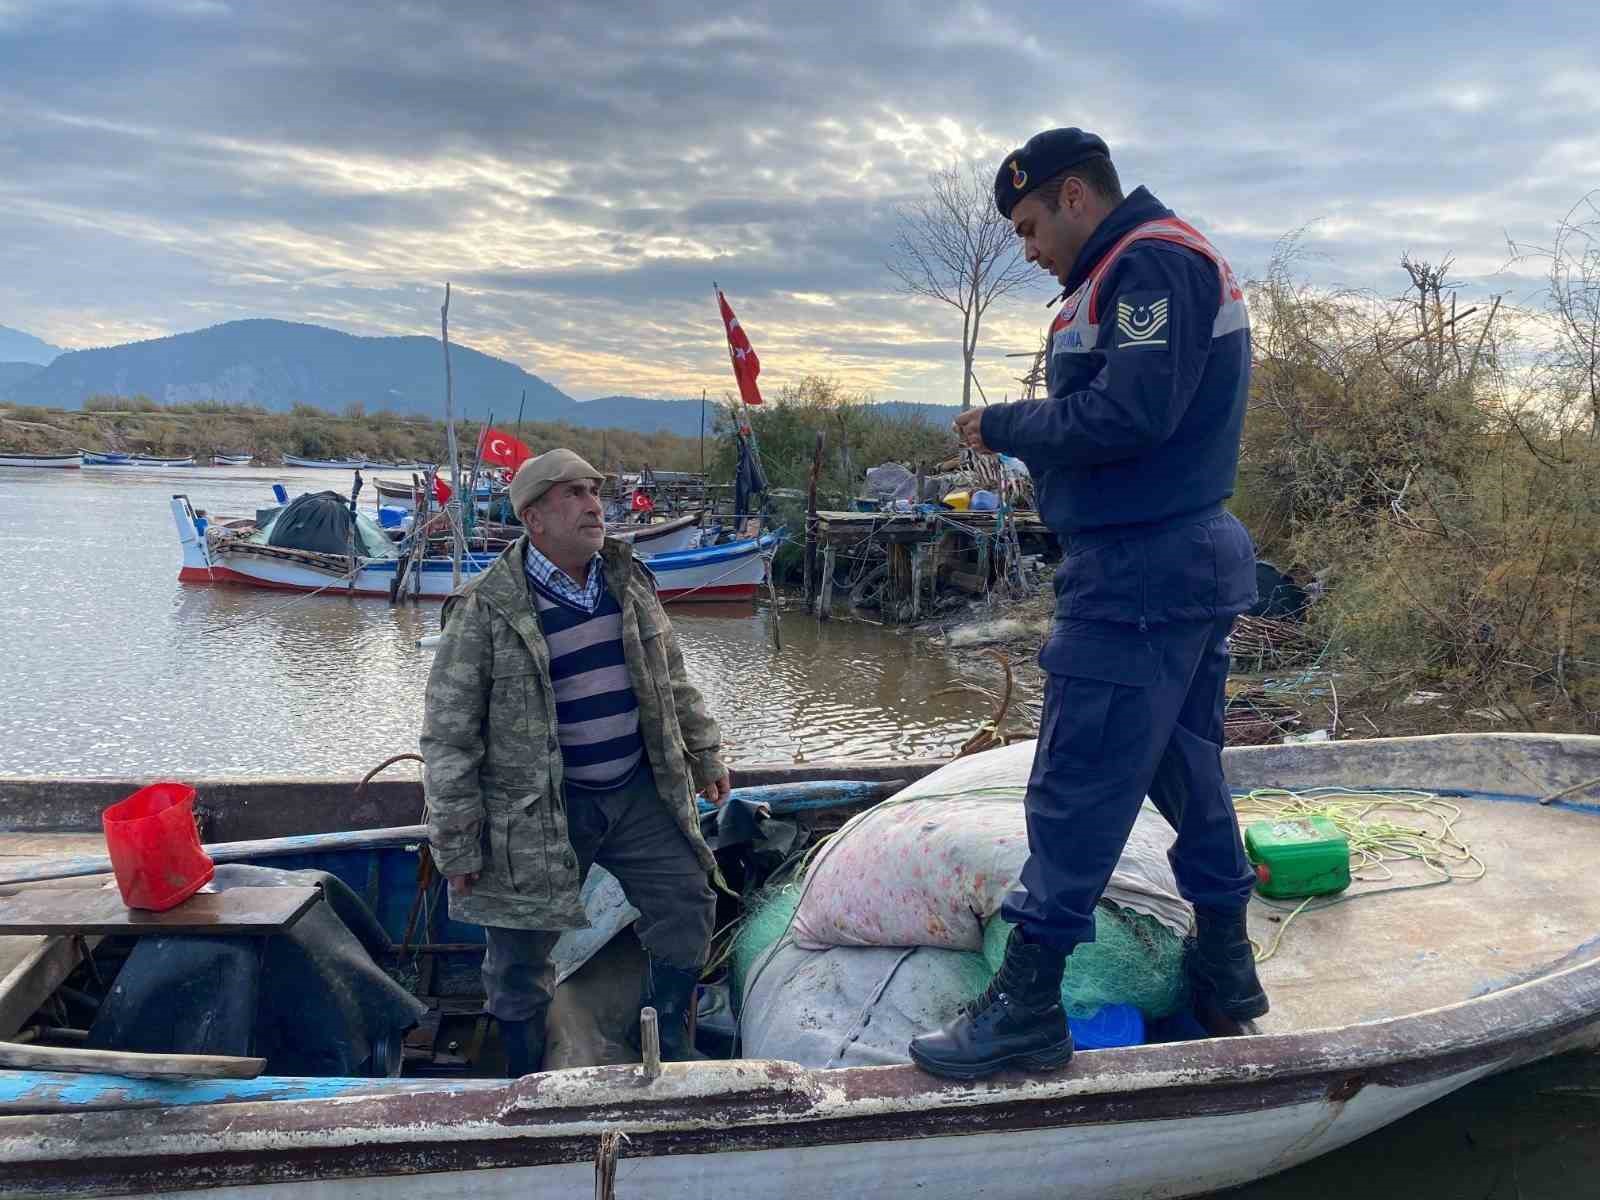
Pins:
x: 931, y: 865
x: 312, y: 1001
x: 321, y: 521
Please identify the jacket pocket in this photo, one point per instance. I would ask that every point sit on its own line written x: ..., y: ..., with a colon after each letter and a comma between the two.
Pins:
x: 1103, y: 583
x: 525, y: 845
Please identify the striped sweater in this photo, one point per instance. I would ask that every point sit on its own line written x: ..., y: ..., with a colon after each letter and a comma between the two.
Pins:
x: 597, y: 714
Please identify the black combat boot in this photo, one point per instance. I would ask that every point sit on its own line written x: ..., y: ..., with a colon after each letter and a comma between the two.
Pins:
x: 523, y: 1043
x: 670, y: 991
x: 1017, y: 1022
x: 1222, y: 966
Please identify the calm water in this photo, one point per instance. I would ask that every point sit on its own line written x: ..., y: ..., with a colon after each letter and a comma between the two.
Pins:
x: 110, y: 667
x: 113, y: 667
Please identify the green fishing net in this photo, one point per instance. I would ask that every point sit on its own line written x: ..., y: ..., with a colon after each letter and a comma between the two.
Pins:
x: 765, y: 920
x: 1134, y: 959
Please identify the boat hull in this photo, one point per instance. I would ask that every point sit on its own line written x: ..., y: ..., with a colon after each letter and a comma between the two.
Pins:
x: 1172, y: 1120
x: 60, y: 462
x: 719, y: 573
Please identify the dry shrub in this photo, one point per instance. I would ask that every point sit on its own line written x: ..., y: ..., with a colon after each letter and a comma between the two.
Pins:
x: 1442, y: 477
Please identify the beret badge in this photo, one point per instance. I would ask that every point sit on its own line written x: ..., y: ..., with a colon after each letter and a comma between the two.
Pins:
x: 1019, y: 177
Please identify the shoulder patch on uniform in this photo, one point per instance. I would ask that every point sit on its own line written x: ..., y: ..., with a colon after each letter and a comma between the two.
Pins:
x: 1142, y: 319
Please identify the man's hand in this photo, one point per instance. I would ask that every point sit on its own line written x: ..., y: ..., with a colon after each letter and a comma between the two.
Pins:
x: 717, y: 790
x: 461, y: 885
x: 969, y: 429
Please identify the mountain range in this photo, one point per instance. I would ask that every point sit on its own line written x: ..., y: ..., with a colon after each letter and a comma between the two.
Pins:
x: 19, y: 347
x: 279, y: 364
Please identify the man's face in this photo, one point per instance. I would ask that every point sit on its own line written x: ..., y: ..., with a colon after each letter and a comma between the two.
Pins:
x: 1052, y: 239
x: 567, y: 522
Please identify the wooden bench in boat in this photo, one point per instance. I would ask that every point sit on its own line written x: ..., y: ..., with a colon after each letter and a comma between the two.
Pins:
x: 248, y: 911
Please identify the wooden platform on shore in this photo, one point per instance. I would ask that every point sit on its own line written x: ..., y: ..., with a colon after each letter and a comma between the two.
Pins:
x: 942, y: 548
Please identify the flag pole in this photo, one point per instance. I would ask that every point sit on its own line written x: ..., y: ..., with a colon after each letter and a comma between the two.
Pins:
x: 458, y: 538
x: 702, y: 431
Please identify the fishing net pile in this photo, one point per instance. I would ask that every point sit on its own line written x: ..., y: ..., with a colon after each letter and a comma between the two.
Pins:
x: 895, y: 924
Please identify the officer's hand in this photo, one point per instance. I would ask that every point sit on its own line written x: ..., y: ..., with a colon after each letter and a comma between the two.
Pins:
x: 717, y: 790
x: 969, y: 429
x: 461, y: 885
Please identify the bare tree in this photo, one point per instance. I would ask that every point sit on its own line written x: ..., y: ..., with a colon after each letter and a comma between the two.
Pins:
x: 955, y: 247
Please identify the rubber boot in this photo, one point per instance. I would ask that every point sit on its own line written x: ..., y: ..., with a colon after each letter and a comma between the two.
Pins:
x: 1017, y: 1022
x: 523, y: 1043
x: 670, y: 991
x: 1222, y: 966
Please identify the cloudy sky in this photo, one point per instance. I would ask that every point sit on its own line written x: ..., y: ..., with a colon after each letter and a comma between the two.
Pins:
x: 582, y: 172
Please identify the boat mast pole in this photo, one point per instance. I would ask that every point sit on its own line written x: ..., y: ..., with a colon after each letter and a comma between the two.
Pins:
x: 456, y: 537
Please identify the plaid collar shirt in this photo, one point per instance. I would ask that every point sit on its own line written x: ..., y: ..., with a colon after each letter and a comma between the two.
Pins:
x: 545, y: 573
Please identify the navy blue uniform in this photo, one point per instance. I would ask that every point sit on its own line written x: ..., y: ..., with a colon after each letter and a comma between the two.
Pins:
x: 1132, y: 454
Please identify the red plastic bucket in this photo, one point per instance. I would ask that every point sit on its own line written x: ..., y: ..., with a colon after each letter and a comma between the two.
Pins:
x: 155, y: 847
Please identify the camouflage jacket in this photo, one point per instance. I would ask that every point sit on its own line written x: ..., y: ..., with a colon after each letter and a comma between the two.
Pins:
x: 493, y: 772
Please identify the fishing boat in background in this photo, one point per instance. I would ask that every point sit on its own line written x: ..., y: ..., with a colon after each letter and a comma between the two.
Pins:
x: 64, y: 462
x: 239, y: 552
x: 146, y: 462
x: 325, y: 464
x: 150, y: 460
x: 1379, y: 1007
x: 232, y: 460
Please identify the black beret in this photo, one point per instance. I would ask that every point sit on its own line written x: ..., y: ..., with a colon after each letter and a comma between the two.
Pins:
x: 1045, y: 156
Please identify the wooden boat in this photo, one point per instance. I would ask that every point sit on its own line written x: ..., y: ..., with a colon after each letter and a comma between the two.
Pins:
x: 143, y: 462
x: 216, y: 554
x: 1379, y: 1008
x: 232, y: 460
x: 65, y: 462
x: 325, y: 464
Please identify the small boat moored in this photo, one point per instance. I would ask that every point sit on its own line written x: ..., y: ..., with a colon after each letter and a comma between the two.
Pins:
x: 64, y: 462
x: 232, y: 460
x: 146, y: 462
x: 325, y: 464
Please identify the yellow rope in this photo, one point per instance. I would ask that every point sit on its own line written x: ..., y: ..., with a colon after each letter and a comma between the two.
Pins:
x: 1383, y: 828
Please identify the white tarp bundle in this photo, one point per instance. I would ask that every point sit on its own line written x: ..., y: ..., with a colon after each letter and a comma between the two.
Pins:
x: 852, y: 1006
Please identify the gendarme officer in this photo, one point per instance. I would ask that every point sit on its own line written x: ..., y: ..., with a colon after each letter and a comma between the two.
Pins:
x: 1132, y: 454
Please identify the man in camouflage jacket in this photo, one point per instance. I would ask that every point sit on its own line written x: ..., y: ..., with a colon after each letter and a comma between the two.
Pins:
x: 507, y: 827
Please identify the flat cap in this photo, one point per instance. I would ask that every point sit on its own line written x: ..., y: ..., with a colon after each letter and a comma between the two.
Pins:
x: 541, y: 473
x: 1045, y: 156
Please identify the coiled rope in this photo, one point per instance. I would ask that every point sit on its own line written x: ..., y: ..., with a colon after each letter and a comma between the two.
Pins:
x: 1384, y: 828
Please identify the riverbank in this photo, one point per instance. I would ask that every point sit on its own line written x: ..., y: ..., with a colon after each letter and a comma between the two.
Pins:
x: 201, y: 430
x: 1286, y: 683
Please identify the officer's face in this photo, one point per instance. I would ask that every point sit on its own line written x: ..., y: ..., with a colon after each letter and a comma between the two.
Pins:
x: 567, y: 522
x: 1052, y: 238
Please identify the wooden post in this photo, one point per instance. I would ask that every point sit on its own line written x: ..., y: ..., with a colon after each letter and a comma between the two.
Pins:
x: 649, y: 1043
x: 825, y: 598
x: 605, y: 1165
x: 917, y: 552
x: 811, y: 520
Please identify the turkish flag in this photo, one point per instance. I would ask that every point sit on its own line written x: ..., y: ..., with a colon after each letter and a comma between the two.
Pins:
x: 746, y: 366
x: 441, y: 491
x: 501, y: 449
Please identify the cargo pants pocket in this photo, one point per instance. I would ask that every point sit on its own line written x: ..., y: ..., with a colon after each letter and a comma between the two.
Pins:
x: 1096, y: 707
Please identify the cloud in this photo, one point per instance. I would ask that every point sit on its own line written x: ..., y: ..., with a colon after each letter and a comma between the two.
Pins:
x: 583, y: 175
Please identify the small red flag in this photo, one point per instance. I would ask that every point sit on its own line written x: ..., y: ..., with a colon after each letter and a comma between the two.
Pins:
x: 500, y: 448
x: 746, y: 366
x: 441, y: 491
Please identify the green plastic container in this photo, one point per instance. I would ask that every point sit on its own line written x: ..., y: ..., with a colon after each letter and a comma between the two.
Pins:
x: 1298, y: 857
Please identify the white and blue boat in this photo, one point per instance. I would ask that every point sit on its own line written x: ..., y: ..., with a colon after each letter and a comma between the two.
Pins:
x: 215, y: 552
